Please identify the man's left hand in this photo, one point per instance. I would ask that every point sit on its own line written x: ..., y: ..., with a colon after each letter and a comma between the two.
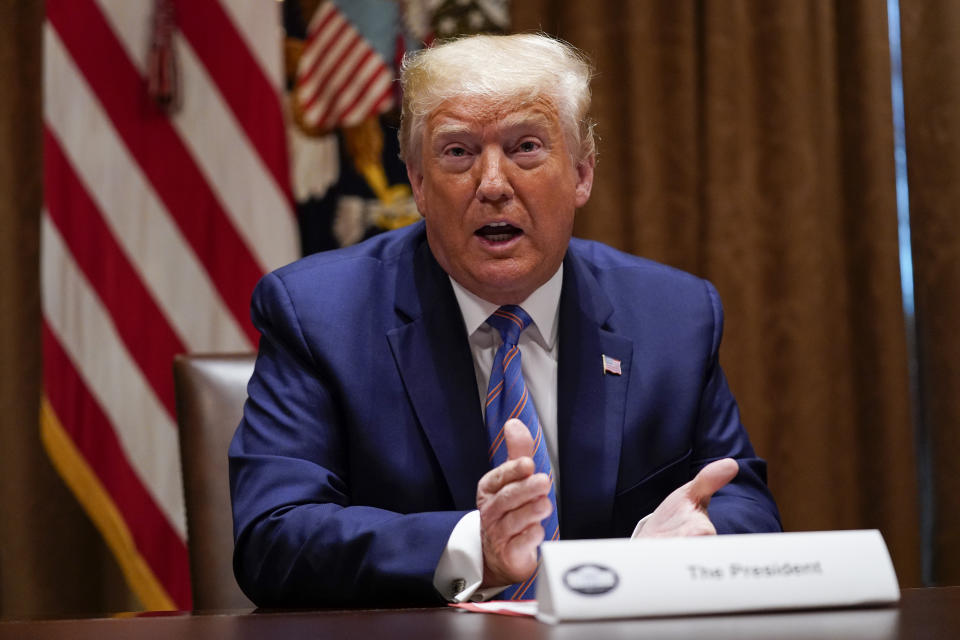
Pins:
x: 684, y: 512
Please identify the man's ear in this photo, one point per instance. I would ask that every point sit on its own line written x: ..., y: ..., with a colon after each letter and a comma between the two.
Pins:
x: 585, y: 179
x: 415, y: 176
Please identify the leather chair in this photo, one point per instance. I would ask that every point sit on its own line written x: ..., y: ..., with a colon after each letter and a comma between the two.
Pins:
x: 210, y: 391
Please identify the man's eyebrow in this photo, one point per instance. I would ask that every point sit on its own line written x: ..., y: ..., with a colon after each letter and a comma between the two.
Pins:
x: 450, y: 128
x: 510, y: 122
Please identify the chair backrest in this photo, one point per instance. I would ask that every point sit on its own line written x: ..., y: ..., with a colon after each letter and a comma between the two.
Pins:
x: 210, y: 391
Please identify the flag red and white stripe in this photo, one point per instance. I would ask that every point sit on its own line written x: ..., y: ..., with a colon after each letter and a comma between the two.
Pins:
x: 155, y: 229
x: 341, y: 79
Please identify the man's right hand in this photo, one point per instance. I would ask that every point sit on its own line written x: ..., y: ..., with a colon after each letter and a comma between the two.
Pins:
x: 512, y: 501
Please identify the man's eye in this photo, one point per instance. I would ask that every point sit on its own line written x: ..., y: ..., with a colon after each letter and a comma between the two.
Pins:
x: 527, y: 146
x: 456, y: 152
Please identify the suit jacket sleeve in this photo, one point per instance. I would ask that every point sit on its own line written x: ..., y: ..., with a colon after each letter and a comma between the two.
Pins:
x: 745, y: 505
x: 302, y: 539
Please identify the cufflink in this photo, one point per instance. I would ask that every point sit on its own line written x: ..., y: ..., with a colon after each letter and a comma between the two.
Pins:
x: 457, y: 586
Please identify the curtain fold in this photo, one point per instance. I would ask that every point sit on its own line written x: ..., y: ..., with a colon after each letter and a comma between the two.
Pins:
x: 931, y: 83
x: 751, y: 143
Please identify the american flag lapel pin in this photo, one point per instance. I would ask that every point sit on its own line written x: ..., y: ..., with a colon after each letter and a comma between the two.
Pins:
x: 611, y: 365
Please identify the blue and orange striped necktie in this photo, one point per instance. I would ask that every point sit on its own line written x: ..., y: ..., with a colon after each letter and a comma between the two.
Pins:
x: 508, y: 397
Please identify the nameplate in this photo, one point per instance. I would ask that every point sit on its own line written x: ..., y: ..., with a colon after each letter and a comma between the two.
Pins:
x: 627, y: 578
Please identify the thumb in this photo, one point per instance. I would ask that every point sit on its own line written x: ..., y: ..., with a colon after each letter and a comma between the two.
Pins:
x: 712, y: 478
x: 519, y: 440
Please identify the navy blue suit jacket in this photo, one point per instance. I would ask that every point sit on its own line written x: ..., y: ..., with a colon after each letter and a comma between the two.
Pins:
x: 362, y: 440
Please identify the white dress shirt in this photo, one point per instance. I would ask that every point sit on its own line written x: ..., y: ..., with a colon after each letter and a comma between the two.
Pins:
x: 460, y: 570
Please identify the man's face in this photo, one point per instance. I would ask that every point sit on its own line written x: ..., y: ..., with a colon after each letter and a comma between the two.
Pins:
x: 498, y: 188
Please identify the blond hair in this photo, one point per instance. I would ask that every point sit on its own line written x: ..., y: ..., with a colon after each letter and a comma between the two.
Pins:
x: 522, y: 67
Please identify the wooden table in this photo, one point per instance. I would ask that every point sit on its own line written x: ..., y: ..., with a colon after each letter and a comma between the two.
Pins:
x: 922, y: 613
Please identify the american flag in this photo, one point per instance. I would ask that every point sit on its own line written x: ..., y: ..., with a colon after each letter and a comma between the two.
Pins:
x: 611, y: 365
x: 156, y: 226
x: 341, y: 79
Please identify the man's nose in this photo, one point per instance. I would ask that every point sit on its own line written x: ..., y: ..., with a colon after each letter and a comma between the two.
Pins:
x: 494, y: 182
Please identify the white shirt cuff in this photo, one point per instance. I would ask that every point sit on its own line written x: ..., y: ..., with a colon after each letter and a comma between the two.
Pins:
x: 636, y: 530
x: 460, y: 571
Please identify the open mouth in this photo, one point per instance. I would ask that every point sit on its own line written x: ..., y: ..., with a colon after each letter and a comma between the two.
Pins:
x: 498, y: 232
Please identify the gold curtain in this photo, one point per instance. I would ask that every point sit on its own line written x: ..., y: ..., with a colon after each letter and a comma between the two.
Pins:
x: 751, y: 143
x: 931, y: 84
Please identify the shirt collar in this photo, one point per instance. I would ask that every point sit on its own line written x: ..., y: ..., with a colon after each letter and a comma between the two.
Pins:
x: 543, y: 307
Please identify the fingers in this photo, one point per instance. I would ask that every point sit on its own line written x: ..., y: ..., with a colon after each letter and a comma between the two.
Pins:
x: 512, y: 495
x: 519, y: 440
x: 510, y: 543
x: 712, y: 478
x: 504, y: 474
x: 516, y: 520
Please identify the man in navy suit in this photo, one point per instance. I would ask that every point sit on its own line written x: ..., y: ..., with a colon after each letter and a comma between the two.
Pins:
x: 360, y: 472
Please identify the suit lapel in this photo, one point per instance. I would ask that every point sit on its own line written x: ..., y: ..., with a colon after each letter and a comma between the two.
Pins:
x: 591, y: 405
x: 433, y: 357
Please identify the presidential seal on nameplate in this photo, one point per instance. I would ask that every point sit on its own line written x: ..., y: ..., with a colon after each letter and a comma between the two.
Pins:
x: 627, y: 578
